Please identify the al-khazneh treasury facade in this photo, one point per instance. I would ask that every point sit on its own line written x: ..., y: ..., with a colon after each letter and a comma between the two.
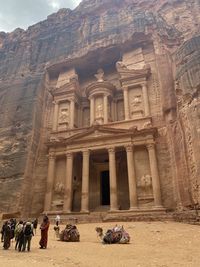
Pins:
x: 102, y: 147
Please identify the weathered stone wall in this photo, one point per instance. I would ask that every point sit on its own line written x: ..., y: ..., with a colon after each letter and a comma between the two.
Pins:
x: 24, y: 99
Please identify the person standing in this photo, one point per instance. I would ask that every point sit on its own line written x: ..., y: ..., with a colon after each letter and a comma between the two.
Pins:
x: 28, y: 233
x: 35, y: 224
x: 18, y: 230
x: 44, y: 232
x: 57, y: 220
x: 6, y: 236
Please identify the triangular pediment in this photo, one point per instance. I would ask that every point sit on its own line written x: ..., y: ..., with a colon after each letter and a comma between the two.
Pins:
x: 98, y: 132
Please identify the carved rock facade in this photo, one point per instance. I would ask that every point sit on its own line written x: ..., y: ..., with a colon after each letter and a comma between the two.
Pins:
x: 100, y: 109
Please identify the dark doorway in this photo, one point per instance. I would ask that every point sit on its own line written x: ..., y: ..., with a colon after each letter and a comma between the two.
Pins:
x: 105, y: 188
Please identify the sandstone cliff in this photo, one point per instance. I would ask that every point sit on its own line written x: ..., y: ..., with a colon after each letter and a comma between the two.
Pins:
x: 172, y: 25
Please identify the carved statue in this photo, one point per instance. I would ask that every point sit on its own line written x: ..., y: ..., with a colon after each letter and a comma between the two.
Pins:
x: 59, y: 188
x: 99, y: 111
x: 100, y: 75
x: 64, y: 116
x: 136, y: 101
x: 145, y: 181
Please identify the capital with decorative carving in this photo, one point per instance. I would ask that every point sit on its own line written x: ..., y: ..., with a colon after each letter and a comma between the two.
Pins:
x: 69, y: 155
x: 52, y: 155
x: 150, y: 146
x: 129, y: 148
x: 86, y: 152
x: 111, y: 150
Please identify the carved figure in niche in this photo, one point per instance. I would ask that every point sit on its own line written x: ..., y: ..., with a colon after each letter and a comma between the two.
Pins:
x: 136, y: 101
x: 100, y: 75
x: 64, y: 116
x: 136, y: 106
x: 145, y: 181
x: 59, y: 188
x: 99, y: 111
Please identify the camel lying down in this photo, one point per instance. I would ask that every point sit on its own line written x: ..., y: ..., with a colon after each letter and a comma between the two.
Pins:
x: 70, y: 234
x: 116, y: 235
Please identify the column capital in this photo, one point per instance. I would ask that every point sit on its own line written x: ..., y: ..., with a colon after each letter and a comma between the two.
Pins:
x: 144, y: 84
x: 72, y: 99
x: 91, y: 97
x: 125, y: 88
x: 129, y: 148
x: 111, y: 150
x: 150, y: 146
x: 55, y: 102
x: 69, y: 154
x: 52, y: 155
x: 86, y: 151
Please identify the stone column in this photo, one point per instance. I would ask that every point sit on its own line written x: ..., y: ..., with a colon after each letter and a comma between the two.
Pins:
x: 131, y: 178
x: 126, y: 104
x: 72, y: 113
x: 85, y: 182
x: 55, y: 116
x: 154, y: 175
x: 92, y: 110
x: 113, y: 180
x: 68, y: 183
x: 105, y: 109
x: 146, y: 100
x: 50, y: 182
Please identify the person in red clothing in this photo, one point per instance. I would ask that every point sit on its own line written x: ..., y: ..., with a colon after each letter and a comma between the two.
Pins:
x: 44, y: 232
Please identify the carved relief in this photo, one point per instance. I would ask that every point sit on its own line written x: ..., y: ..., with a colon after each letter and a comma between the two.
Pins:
x: 99, y: 110
x: 63, y: 116
x: 145, y: 181
x: 59, y: 188
x: 144, y: 184
x: 100, y: 75
x: 135, y: 103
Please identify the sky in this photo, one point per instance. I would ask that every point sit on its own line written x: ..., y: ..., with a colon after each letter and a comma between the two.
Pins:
x: 24, y: 13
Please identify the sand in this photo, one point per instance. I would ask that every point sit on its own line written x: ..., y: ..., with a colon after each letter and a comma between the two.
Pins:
x: 155, y: 244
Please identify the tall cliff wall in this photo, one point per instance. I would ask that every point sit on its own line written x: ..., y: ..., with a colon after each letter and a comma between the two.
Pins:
x: 24, y: 56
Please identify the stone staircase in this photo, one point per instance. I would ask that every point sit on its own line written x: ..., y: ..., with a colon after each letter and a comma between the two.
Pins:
x: 106, y: 216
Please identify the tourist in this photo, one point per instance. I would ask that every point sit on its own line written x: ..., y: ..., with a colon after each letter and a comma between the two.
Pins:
x: 6, y: 235
x: 44, y: 232
x: 28, y: 233
x: 57, y: 220
x: 18, y: 230
x: 2, y: 231
x: 35, y: 224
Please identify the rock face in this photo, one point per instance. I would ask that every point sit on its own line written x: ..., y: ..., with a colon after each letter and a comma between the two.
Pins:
x: 169, y: 32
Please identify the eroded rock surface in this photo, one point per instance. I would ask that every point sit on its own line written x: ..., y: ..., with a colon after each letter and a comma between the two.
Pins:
x: 99, y: 25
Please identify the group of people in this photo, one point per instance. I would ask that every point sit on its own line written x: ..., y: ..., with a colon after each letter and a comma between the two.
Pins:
x: 22, y: 232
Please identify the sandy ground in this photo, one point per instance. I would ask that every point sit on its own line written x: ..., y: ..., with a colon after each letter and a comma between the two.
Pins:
x: 155, y: 244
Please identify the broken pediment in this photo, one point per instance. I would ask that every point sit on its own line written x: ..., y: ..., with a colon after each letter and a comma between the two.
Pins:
x: 71, y: 86
x: 125, y: 72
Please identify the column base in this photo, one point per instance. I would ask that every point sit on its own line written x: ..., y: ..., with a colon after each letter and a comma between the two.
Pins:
x: 158, y: 207
x: 133, y: 209
x: 84, y: 211
x: 113, y: 210
x: 67, y: 211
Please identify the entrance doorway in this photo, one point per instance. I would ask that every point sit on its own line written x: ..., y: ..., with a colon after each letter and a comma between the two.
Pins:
x: 105, y: 188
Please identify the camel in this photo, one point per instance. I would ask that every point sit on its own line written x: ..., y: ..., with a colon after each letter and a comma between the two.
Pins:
x: 116, y: 235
